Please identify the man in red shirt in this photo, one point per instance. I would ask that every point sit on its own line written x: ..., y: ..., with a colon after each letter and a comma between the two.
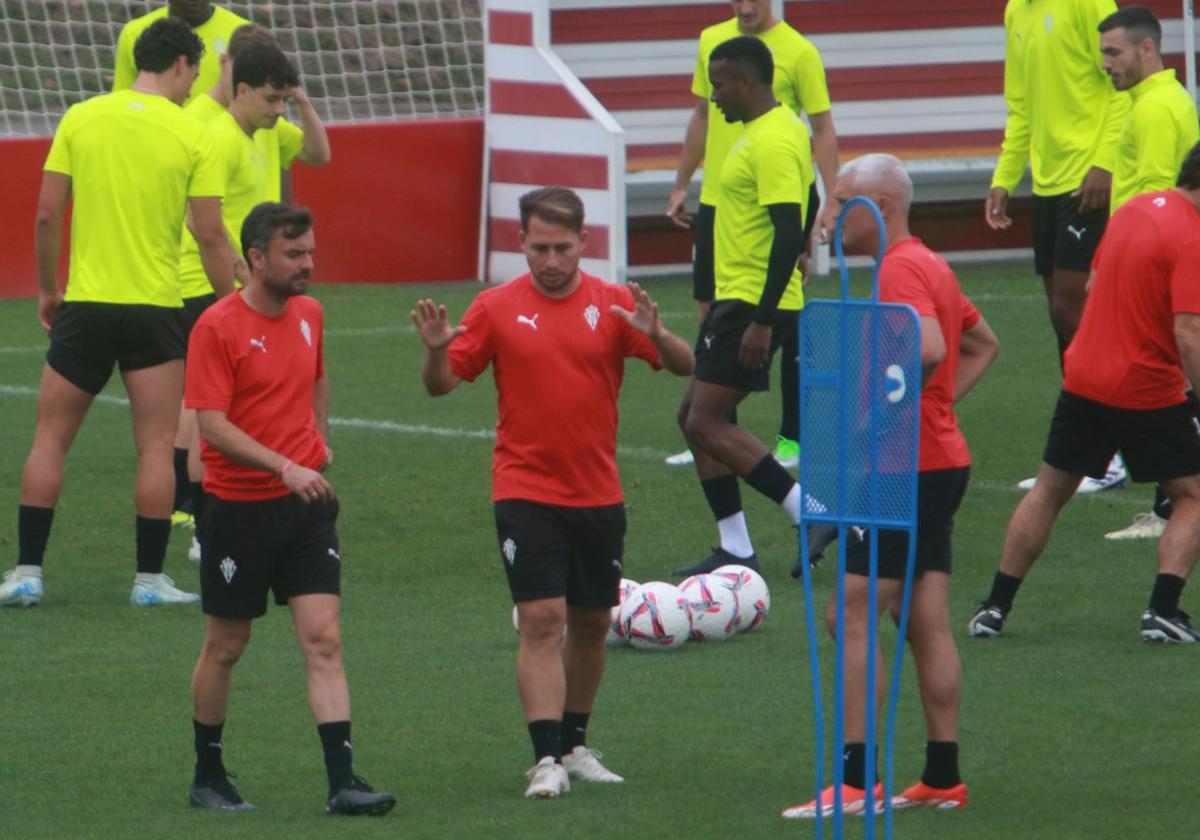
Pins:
x: 1124, y: 376
x: 256, y: 376
x: 956, y: 348
x: 557, y: 339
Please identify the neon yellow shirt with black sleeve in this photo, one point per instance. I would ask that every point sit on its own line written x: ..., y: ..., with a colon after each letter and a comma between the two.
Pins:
x: 771, y: 163
x: 214, y: 33
x: 250, y: 167
x: 1064, y: 115
x: 1160, y: 129
x: 798, y: 82
x: 134, y: 160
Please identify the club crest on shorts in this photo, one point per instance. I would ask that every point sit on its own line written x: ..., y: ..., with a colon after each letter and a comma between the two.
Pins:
x: 306, y: 331
x: 592, y: 316
x: 510, y: 551
x: 228, y: 569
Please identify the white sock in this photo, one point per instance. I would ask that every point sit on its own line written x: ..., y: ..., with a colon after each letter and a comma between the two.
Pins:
x: 29, y: 571
x: 792, y: 504
x: 735, y: 536
x: 148, y: 578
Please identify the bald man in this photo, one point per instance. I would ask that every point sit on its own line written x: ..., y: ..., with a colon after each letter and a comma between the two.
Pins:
x: 956, y: 348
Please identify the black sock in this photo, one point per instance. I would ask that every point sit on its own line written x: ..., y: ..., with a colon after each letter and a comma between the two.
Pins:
x: 33, y: 532
x: 152, y: 538
x: 723, y: 495
x: 339, y: 756
x: 198, y: 501
x: 1164, y: 598
x: 547, y: 739
x: 574, y: 730
x: 1162, y: 505
x: 182, y: 500
x: 1004, y: 589
x: 771, y: 479
x: 854, y: 765
x: 209, y: 765
x: 941, y: 764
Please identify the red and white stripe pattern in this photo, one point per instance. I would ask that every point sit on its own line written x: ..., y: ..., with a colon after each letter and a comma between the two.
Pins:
x: 544, y: 127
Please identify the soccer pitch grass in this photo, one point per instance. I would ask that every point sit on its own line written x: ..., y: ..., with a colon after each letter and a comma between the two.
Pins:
x: 1068, y: 729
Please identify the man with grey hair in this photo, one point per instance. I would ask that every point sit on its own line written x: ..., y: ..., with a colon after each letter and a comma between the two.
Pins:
x: 956, y: 348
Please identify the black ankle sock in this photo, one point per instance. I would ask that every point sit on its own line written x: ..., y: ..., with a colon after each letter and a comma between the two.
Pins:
x: 198, y: 501
x: 771, y: 479
x: 182, y: 500
x: 33, y: 532
x: 1162, y: 505
x: 1004, y: 589
x: 854, y: 765
x: 1164, y: 598
x: 152, y: 538
x: 723, y: 495
x: 547, y: 738
x: 941, y: 764
x: 209, y: 765
x: 339, y: 757
x: 574, y: 730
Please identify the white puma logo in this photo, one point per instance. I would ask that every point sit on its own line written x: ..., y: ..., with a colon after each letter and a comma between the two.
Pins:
x: 260, y: 343
x: 708, y: 340
x: 1078, y: 234
x: 532, y: 322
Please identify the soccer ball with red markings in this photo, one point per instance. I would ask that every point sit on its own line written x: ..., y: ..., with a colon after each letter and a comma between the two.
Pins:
x: 713, y: 605
x: 616, y: 634
x: 655, y: 617
x: 753, y: 596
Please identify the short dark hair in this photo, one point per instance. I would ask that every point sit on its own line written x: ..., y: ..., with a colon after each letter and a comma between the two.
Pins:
x: 260, y: 64
x: 1189, y: 172
x: 556, y: 205
x: 270, y: 218
x: 163, y: 42
x: 749, y: 54
x: 1138, y: 22
x: 247, y: 35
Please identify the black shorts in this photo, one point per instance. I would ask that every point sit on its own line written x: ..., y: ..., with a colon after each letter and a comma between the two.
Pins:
x: 721, y: 338
x: 1062, y: 236
x: 939, y: 493
x: 283, y: 545
x: 88, y: 338
x: 1158, y: 444
x: 551, y: 551
x: 193, y: 308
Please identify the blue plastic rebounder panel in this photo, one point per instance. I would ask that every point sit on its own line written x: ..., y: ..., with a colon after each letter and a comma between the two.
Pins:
x: 860, y: 405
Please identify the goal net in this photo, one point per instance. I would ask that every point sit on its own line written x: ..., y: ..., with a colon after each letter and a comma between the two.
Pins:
x: 359, y: 59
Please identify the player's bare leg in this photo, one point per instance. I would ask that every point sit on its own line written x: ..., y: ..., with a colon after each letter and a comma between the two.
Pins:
x: 541, y: 678
x: 225, y: 640
x: 939, y: 669
x: 1066, y: 293
x: 1031, y: 523
x: 61, y: 408
x: 708, y: 428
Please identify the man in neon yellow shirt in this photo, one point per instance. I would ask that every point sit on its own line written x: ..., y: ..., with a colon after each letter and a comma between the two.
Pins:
x: 758, y: 239
x: 213, y: 24
x: 134, y: 164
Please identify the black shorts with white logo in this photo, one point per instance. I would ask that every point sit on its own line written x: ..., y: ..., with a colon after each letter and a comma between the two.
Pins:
x: 283, y: 545
x: 87, y: 339
x: 721, y: 339
x: 550, y: 551
x: 1158, y: 444
x: 939, y: 494
x: 193, y: 308
x: 1062, y: 236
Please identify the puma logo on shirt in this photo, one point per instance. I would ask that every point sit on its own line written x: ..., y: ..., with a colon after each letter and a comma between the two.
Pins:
x: 531, y: 322
x: 260, y: 343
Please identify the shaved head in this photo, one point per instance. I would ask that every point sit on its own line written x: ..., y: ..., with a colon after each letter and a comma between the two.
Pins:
x: 879, y: 174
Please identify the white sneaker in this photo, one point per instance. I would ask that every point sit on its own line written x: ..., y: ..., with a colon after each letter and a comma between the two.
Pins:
x: 194, y: 551
x: 156, y: 590
x: 547, y: 780
x: 1145, y: 526
x: 584, y: 764
x: 22, y: 587
x: 1114, y: 476
x: 681, y: 459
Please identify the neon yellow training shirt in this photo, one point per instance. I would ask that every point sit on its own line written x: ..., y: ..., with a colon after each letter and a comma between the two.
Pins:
x: 771, y: 163
x: 799, y: 83
x: 1160, y: 129
x: 214, y: 32
x: 250, y: 169
x: 1064, y: 115
x: 134, y: 160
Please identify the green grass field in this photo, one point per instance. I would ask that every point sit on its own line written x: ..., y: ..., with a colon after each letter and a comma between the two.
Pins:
x: 1071, y: 727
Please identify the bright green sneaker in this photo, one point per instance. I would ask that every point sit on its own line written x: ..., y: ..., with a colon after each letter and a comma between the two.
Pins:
x: 787, y: 451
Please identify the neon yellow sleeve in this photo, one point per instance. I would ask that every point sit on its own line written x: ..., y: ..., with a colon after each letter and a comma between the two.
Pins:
x: 291, y: 142
x: 1155, y: 137
x: 813, y: 90
x: 700, y: 84
x: 1014, y: 153
x: 125, y: 72
x: 210, y: 175
x: 59, y: 158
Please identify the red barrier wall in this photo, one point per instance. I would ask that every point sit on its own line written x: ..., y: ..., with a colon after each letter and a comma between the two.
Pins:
x: 398, y: 203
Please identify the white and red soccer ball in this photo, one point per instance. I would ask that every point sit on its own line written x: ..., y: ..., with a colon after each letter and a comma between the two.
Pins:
x: 753, y: 596
x: 655, y: 616
x: 713, y: 605
x: 616, y: 633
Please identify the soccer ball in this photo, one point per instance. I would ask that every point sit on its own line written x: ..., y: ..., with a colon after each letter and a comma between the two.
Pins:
x: 655, y: 617
x: 714, y: 607
x: 754, y: 598
x: 616, y: 634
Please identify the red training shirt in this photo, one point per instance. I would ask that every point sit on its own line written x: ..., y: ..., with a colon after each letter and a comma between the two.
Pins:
x: 1147, y: 269
x: 260, y: 371
x: 558, y: 365
x: 913, y: 274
